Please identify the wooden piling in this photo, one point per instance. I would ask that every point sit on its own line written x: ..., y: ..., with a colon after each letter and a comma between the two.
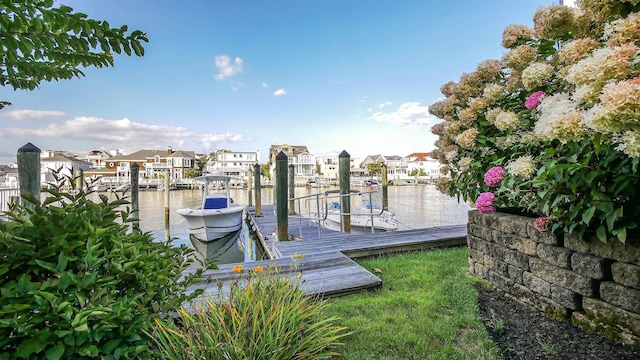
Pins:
x: 29, y: 172
x: 344, y: 174
x: 135, y: 202
x: 167, y: 235
x: 282, y: 218
x: 256, y: 171
x: 250, y: 186
x: 292, y: 190
x: 79, y: 179
x: 385, y: 185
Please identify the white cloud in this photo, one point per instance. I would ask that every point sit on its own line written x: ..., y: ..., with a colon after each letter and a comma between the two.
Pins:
x: 264, y: 85
x: 280, y: 92
x: 385, y: 104
x: 226, y: 68
x: 407, y: 114
x: 21, y: 115
x: 123, y: 134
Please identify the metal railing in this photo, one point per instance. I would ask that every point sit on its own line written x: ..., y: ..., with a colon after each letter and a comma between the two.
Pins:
x: 315, y: 208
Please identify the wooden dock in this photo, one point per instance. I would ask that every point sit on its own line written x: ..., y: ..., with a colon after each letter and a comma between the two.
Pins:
x: 327, y: 268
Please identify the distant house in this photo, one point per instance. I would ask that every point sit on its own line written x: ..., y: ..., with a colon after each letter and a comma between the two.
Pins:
x: 328, y: 166
x: 304, y: 163
x: 397, y: 167
x: 424, y: 161
x: 63, y: 164
x: 233, y: 163
x: 153, y: 163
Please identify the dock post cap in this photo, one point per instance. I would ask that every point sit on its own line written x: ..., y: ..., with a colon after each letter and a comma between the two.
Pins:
x: 29, y: 147
x: 344, y: 154
x: 281, y: 156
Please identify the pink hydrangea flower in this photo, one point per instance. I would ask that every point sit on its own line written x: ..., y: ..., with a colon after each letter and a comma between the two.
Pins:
x: 534, y: 100
x: 541, y: 223
x: 493, y: 177
x: 484, y: 203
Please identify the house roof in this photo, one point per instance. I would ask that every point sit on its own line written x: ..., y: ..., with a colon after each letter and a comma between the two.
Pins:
x: 419, y: 156
x: 61, y: 158
x: 143, y: 155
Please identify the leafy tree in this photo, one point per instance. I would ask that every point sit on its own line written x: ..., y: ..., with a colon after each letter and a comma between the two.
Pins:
x: 191, y: 173
x: 419, y: 172
x: 266, y: 172
x: 41, y: 42
x: 374, y: 168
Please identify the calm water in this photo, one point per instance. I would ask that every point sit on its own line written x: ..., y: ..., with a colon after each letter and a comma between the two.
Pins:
x: 416, y: 207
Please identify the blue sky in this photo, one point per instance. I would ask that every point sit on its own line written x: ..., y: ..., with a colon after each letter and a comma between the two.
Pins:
x: 242, y: 75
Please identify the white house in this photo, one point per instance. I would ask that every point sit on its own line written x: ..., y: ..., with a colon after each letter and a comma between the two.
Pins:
x: 233, y: 163
x: 65, y: 165
x: 424, y: 163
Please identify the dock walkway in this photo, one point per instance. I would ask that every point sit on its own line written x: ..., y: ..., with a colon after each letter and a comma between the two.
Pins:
x: 327, y: 268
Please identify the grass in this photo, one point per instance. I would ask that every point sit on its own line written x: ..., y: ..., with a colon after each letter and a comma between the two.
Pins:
x: 426, y: 309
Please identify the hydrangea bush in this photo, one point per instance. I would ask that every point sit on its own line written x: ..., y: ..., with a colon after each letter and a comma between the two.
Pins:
x: 552, y: 128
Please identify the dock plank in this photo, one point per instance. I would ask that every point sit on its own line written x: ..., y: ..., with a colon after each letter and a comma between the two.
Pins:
x: 323, y: 274
x: 327, y: 268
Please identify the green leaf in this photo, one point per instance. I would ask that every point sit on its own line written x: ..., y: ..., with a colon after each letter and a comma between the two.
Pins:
x: 588, y: 214
x: 55, y: 353
x: 27, y: 348
x: 601, y: 233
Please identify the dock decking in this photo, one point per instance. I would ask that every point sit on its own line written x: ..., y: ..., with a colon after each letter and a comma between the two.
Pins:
x: 327, y: 268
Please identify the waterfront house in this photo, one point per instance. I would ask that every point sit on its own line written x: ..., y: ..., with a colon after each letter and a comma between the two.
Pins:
x: 423, y: 162
x: 66, y: 165
x: 232, y: 163
x: 397, y: 167
x: 153, y: 164
x: 304, y: 163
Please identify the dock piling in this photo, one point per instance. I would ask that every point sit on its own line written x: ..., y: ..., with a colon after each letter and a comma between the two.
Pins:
x: 344, y: 167
x: 292, y: 190
x: 385, y: 190
x: 135, y: 203
x: 29, y: 171
x: 282, y: 218
x: 256, y: 171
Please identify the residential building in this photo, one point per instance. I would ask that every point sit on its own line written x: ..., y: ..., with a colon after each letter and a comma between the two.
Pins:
x: 423, y: 161
x: 233, y: 163
x: 328, y: 166
x: 153, y: 163
x: 65, y: 166
x: 304, y: 163
x: 397, y: 167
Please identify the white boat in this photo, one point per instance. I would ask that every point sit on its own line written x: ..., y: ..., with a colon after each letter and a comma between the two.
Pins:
x: 366, y: 213
x: 217, y: 216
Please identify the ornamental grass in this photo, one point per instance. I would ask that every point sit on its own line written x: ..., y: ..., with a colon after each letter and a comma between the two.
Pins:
x: 264, y: 315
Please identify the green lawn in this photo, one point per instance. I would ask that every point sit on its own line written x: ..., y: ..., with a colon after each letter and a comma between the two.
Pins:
x: 426, y: 309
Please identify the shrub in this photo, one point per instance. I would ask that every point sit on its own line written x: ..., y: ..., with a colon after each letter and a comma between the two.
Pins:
x: 77, y: 284
x: 562, y: 139
x: 263, y: 316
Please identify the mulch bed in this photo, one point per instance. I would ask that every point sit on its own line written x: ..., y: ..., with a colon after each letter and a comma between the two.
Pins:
x: 522, y: 333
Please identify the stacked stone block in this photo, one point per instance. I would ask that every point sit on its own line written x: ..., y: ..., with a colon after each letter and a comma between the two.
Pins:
x: 594, y: 284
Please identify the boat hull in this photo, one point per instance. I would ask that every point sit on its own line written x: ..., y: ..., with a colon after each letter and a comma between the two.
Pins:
x: 211, y: 224
x: 361, y: 224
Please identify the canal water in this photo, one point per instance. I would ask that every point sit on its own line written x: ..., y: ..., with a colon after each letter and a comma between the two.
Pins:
x: 416, y: 207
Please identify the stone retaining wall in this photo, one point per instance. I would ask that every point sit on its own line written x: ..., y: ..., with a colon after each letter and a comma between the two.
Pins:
x: 596, y: 285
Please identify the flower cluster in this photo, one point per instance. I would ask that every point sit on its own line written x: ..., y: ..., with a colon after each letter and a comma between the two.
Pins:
x: 554, y: 125
x: 493, y: 177
x: 484, y: 203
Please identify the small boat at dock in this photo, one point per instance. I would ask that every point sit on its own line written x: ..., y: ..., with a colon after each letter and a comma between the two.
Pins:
x: 217, y: 216
x: 366, y: 213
